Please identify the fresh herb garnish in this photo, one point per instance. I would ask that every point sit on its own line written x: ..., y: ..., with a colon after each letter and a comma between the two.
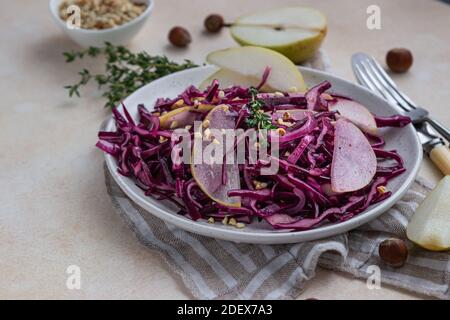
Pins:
x: 257, y: 118
x: 125, y: 71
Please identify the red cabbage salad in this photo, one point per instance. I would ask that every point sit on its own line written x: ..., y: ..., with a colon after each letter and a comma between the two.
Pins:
x: 330, y: 160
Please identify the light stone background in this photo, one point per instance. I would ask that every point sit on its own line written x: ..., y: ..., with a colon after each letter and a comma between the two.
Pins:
x: 54, y: 211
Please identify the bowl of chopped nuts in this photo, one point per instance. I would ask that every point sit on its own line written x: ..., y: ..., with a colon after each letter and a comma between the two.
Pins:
x: 94, y: 22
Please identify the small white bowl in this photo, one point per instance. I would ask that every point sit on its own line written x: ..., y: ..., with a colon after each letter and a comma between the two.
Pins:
x: 96, y: 38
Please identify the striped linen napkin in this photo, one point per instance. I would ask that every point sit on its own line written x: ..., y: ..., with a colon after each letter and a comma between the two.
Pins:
x: 217, y: 269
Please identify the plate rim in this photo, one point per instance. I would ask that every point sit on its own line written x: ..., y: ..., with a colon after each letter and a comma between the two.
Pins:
x: 276, y: 237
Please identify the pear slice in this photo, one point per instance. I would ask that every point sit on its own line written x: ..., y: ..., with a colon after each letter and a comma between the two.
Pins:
x: 356, y: 113
x: 209, y: 175
x: 354, y: 162
x: 183, y: 116
x: 253, y: 61
x: 296, y: 32
x: 228, y: 78
x: 430, y: 225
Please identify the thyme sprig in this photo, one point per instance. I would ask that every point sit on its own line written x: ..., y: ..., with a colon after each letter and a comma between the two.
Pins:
x: 125, y: 71
x: 257, y: 118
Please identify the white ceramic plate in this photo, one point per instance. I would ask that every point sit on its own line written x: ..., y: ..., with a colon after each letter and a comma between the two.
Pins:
x: 404, y: 140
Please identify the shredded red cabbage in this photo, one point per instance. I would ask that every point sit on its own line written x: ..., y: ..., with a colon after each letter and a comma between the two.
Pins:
x: 296, y: 198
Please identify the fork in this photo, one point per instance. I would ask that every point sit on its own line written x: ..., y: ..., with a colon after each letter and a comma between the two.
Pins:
x: 369, y: 73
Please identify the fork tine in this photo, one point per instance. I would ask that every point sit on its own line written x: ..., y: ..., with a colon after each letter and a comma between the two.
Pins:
x: 375, y: 83
x: 365, y: 77
x: 391, y: 83
x: 396, y: 95
x: 381, y: 86
x: 362, y: 78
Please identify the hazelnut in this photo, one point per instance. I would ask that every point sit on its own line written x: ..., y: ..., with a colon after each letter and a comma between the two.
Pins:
x: 179, y: 37
x: 214, y: 23
x: 393, y: 252
x: 399, y: 60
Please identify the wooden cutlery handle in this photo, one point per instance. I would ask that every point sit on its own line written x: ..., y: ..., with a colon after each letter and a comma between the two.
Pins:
x: 440, y: 155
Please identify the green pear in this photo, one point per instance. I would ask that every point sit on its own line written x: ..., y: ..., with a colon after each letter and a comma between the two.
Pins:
x: 251, y: 62
x: 296, y: 32
x: 430, y: 225
x: 229, y: 78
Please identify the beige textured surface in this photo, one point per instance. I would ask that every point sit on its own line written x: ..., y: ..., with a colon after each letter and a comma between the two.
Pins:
x: 54, y: 210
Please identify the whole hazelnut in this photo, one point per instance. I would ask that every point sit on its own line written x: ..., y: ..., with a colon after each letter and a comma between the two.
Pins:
x: 179, y: 37
x: 214, y: 23
x: 399, y: 60
x: 393, y: 252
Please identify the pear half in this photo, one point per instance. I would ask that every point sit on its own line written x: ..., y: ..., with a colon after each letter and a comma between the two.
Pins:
x: 430, y: 225
x: 296, y: 32
x: 229, y: 78
x: 250, y: 62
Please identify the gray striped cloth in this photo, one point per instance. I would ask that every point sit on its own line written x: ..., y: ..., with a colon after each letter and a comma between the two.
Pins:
x: 217, y: 269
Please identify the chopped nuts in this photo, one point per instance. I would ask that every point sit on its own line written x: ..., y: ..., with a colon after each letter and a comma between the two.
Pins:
x: 225, y: 220
x: 206, y: 123
x: 232, y: 222
x: 221, y: 94
x: 188, y: 127
x: 162, y: 139
x: 284, y: 123
x: 281, y: 131
x: 240, y: 225
x: 102, y: 14
x: 326, y: 96
x: 382, y: 189
x: 211, y: 220
x: 278, y: 94
x: 260, y: 185
x: 215, y: 141
x: 208, y: 134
